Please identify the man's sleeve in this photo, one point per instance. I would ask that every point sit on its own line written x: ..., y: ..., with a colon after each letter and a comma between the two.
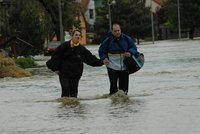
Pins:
x: 132, y: 47
x: 103, y: 49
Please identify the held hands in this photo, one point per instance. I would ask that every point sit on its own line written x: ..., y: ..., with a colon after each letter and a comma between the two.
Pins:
x: 106, y: 61
x: 127, y: 54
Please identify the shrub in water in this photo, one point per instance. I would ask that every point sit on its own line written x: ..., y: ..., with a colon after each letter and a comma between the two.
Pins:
x: 25, y: 62
x: 9, y: 69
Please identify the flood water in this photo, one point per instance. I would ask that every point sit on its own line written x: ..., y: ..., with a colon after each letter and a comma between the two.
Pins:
x: 164, y: 97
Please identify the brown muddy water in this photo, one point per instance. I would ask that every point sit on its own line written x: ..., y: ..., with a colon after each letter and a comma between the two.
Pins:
x: 164, y: 97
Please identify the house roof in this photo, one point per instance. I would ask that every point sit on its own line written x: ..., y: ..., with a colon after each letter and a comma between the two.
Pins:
x: 85, y: 3
x: 158, y: 1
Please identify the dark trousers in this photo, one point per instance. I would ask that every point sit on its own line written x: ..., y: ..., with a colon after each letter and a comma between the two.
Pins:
x: 118, y: 80
x: 69, y: 86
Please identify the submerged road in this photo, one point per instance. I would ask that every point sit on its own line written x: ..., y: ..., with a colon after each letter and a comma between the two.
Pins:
x: 164, y: 97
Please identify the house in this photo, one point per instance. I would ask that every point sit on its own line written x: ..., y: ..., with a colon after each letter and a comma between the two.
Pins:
x: 89, y: 18
x: 82, y: 20
x: 155, y: 4
x: 89, y: 12
x: 89, y: 15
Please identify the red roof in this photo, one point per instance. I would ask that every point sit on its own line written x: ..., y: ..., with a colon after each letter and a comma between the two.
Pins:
x: 85, y: 3
x: 158, y: 1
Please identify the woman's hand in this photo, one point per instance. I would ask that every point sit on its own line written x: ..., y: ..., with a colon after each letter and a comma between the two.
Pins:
x: 106, y: 61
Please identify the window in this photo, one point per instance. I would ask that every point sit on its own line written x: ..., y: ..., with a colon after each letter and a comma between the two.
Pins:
x: 91, y: 13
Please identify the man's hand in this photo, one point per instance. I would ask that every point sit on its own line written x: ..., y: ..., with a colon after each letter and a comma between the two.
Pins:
x: 127, y: 54
x: 106, y: 61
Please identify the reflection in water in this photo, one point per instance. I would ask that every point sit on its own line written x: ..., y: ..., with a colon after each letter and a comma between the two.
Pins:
x: 124, y: 109
x: 123, y: 106
x: 71, y: 111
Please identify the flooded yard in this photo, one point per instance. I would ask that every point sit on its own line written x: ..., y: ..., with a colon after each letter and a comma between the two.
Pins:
x: 163, y: 98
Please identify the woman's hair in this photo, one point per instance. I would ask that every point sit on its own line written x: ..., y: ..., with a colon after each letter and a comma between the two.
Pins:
x: 75, y: 30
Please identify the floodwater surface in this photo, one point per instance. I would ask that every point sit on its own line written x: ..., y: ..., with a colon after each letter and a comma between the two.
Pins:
x: 163, y: 98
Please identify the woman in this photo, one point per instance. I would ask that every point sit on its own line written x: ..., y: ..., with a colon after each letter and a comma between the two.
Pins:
x: 67, y: 62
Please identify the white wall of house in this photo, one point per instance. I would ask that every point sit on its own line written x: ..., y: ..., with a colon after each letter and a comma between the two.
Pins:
x: 90, y: 14
x: 154, y: 5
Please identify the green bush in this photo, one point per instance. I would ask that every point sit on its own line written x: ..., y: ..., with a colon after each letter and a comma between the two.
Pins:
x: 27, y: 62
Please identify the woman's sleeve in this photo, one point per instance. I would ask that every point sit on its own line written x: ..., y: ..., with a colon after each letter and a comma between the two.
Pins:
x: 90, y: 59
x: 54, y: 62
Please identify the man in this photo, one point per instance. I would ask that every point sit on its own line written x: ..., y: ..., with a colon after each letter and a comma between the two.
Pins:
x: 67, y: 62
x: 112, y: 51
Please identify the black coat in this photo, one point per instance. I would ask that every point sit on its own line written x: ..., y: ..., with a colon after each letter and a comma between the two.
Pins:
x: 69, y: 60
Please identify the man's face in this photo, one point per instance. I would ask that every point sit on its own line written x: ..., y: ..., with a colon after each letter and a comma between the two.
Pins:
x: 116, y: 31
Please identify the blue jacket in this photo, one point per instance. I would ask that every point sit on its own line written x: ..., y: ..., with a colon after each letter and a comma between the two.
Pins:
x: 110, y: 49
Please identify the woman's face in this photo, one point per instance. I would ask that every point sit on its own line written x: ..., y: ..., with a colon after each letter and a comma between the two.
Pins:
x: 76, y: 38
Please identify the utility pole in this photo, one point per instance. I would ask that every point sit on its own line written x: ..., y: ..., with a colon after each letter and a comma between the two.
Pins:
x: 110, y: 2
x: 152, y: 22
x: 179, y: 21
x: 61, y: 24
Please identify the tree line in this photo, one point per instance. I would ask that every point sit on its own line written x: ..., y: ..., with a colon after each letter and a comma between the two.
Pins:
x: 37, y: 20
